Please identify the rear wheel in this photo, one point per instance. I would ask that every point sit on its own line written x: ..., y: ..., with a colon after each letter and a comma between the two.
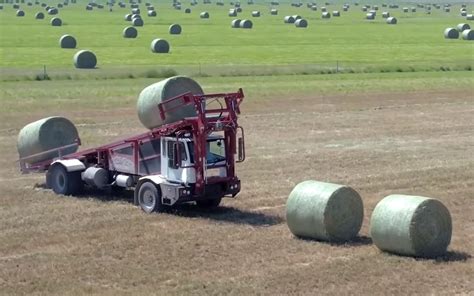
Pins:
x: 149, y: 198
x: 209, y: 203
x: 63, y: 182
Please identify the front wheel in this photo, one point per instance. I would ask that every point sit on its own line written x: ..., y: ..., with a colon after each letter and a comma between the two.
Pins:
x: 64, y: 182
x: 149, y: 198
x: 209, y: 203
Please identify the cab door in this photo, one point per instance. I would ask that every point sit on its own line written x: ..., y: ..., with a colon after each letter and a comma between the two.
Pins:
x: 176, y: 172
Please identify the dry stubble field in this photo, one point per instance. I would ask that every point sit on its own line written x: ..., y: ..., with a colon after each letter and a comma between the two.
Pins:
x: 380, y: 143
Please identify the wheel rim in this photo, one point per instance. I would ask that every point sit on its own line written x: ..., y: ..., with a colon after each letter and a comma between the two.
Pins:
x: 60, y: 180
x: 148, y: 200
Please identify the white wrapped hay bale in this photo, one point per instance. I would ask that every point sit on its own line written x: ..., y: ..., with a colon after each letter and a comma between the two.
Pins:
x: 274, y: 11
x: 385, y: 14
x: 411, y: 225
x: 246, y: 24
x: 236, y: 23
x: 391, y: 21
x: 451, y: 33
x: 289, y: 19
x: 336, y: 13
x: 468, y: 34
x: 463, y: 27
x: 56, y: 22
x: 39, y: 16
x: 152, y: 95
x: 85, y: 59
x: 67, y: 41
x: 130, y: 32
x: 370, y: 16
x: 301, y: 23
x: 324, y: 211
x: 151, y: 13
x: 20, y: 13
x: 470, y: 17
x: 137, y: 22
x: 326, y: 15
x: 175, y: 29
x: 204, y: 15
x: 46, y: 134
x: 160, y: 46
x: 256, y: 13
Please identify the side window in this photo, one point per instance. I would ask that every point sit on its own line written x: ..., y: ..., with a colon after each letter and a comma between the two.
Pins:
x: 125, y: 150
x: 171, y: 149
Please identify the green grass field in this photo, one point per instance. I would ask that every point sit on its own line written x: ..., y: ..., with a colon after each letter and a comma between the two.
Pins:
x: 212, y: 47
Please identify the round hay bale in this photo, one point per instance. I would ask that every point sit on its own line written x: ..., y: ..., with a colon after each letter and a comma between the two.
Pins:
x: 370, y: 16
x: 60, y: 5
x: 137, y: 22
x: 301, y: 23
x: 451, y: 33
x: 89, y: 7
x: 314, y: 8
x: 411, y: 225
x: 326, y: 15
x: 364, y: 9
x: 385, y: 14
x: 405, y: 9
x: 52, y: 11
x: 246, y: 24
x: 373, y: 12
x: 128, y: 17
x: 336, y: 13
x: 464, y: 13
x: 204, y: 15
x: 232, y: 12
x: 470, y: 17
x: 67, y: 41
x: 16, y: 6
x: 175, y: 29
x: 166, y: 89
x: 274, y: 11
x: 463, y: 27
x: 46, y: 134
x: 187, y: 10
x: 289, y: 19
x: 151, y: 13
x: 297, y: 17
x: 391, y: 21
x: 20, y: 13
x: 134, y: 16
x: 468, y: 34
x: 85, y: 59
x: 130, y: 32
x: 160, y: 46
x: 39, y: 16
x: 324, y: 211
x: 56, y: 22
x: 136, y: 11
x: 256, y: 13
x: 238, y: 9
x: 324, y: 9
x: 413, y: 9
x: 235, y: 23
x: 447, y: 9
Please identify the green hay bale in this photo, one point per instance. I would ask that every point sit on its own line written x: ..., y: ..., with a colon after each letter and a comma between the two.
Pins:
x: 301, y: 23
x: 175, y: 29
x: 56, y: 22
x: 451, y: 33
x: 130, y: 32
x: 137, y: 22
x: 39, y: 16
x: 204, y: 15
x: 236, y: 23
x: 468, y: 34
x: 152, y: 95
x: 391, y: 21
x: 20, y: 13
x: 462, y: 27
x: 246, y: 24
x: 85, y: 59
x: 160, y: 46
x: 46, y: 134
x: 67, y: 41
x: 324, y: 211
x: 411, y: 225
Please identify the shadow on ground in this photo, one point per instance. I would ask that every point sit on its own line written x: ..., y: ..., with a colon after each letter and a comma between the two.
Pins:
x: 358, y: 241
x: 452, y: 256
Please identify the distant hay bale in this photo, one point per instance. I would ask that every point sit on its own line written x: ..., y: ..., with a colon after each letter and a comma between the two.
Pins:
x: 391, y: 20
x: 405, y: 9
x: 326, y: 15
x: 274, y: 11
x: 470, y: 17
x: 370, y: 16
x: 301, y: 23
x: 232, y: 12
x: 364, y: 9
x: 375, y: 7
x: 235, y: 23
x: 464, y: 13
x: 136, y: 11
x: 246, y: 24
x: 297, y: 17
x: 462, y: 27
x: 175, y: 29
x: 468, y: 34
x: 187, y: 10
x: 324, y: 211
x: 238, y: 9
x: 39, y: 16
x: 204, y: 15
x: 373, y: 12
x: 314, y: 8
x: 451, y: 33
x: 128, y: 17
x: 289, y: 19
x: 256, y: 13
x: 16, y: 6
x: 20, y: 13
x: 134, y: 16
x: 160, y: 46
x: 52, y: 11
x: 67, y: 41
x: 137, y: 22
x: 385, y: 14
x: 130, y: 32
x: 323, y: 9
x: 413, y: 9
x: 411, y: 226
x: 447, y: 9
x: 336, y: 13
x: 85, y: 59
x: 151, y: 13
x: 56, y: 22
x: 88, y: 7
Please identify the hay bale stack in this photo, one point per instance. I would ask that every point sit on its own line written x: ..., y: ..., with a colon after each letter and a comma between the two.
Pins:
x: 39, y: 16
x: 336, y: 13
x: 187, y: 10
x: 289, y: 19
x: 391, y: 21
x: 451, y: 33
x: 85, y: 59
x: 301, y: 23
x: 324, y: 211
x: 385, y: 14
x: 151, y: 13
x: 274, y: 11
x: 175, y: 29
x: 235, y: 23
x: 137, y: 22
x: 468, y: 34
x: 204, y: 15
x: 152, y: 95
x: 256, y: 13
x: 463, y: 27
x: 46, y: 134
x: 67, y: 41
x: 160, y: 46
x: 326, y: 15
x: 411, y: 225
x: 56, y: 22
x: 130, y: 32
x: 20, y: 13
x: 246, y: 24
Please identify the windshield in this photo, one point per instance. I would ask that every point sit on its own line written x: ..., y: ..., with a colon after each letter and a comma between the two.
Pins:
x: 215, y: 151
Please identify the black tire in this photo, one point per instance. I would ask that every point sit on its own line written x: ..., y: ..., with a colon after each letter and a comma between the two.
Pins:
x: 149, y: 198
x: 63, y: 182
x: 209, y: 203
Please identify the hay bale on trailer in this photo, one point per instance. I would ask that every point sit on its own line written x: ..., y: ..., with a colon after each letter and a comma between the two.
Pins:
x: 301, y: 23
x: 468, y: 34
x: 256, y: 13
x: 39, y: 16
x: 246, y: 24
x: 451, y: 33
x: 289, y: 19
x: 85, y: 59
x: 20, y: 13
x: 56, y: 22
x: 130, y: 32
x: 166, y: 89
x: 411, y: 225
x: 391, y: 21
x: 67, y: 41
x: 204, y: 15
x: 324, y: 211
x: 462, y: 27
x: 175, y: 29
x: 46, y: 134
x: 137, y: 22
x: 160, y: 46
x: 235, y: 23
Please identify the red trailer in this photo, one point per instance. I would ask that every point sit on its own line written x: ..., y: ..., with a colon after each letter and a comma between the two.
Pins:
x: 189, y: 160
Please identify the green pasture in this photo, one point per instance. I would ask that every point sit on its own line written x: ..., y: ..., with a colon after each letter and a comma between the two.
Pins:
x: 347, y: 43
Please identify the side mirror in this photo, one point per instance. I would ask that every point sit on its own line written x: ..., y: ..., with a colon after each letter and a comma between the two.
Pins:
x: 241, y: 150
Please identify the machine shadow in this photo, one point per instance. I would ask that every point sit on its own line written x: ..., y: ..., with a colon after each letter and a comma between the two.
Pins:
x: 452, y: 256
x: 358, y: 241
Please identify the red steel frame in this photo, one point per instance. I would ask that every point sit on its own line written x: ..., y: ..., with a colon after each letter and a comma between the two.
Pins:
x: 198, y: 126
